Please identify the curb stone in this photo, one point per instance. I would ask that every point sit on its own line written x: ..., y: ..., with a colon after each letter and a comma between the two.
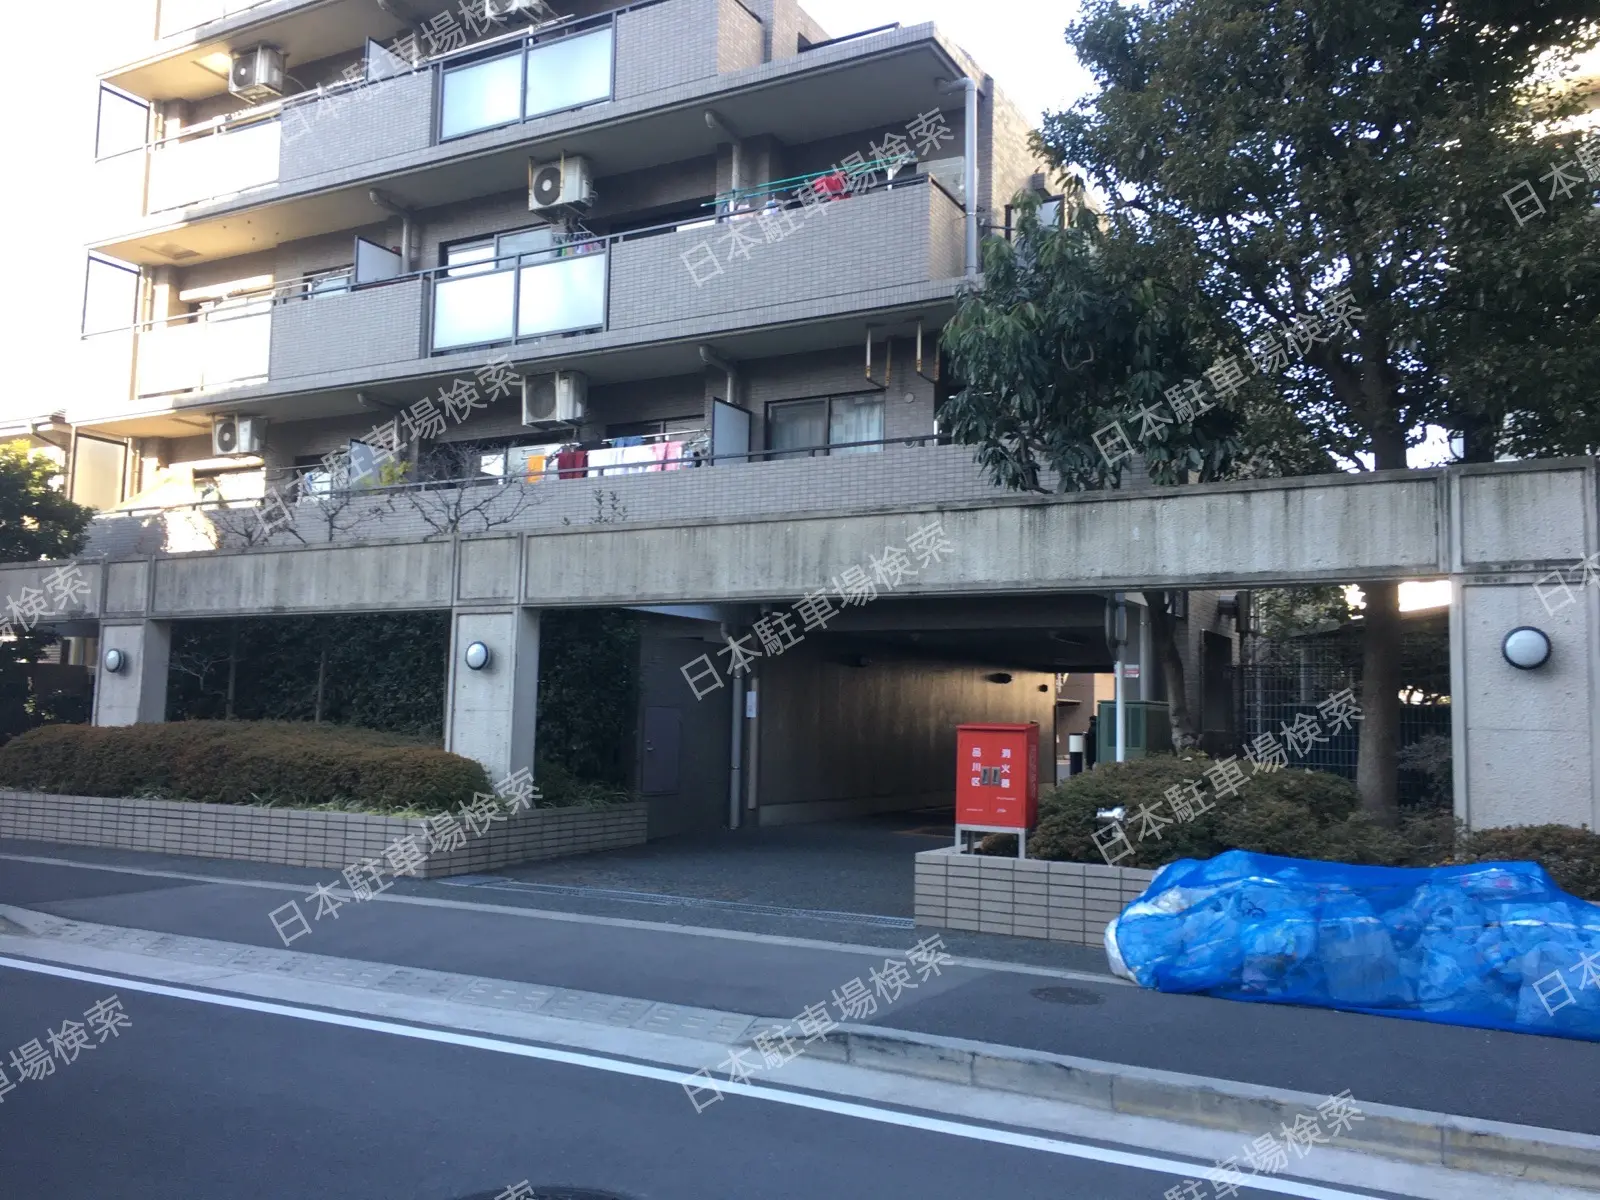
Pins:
x: 1553, y: 1156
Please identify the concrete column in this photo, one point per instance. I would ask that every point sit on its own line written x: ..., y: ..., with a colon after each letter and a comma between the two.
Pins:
x: 1525, y: 742
x: 137, y: 694
x: 492, y: 712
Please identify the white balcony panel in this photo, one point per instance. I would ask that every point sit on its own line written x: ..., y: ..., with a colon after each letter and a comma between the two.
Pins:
x: 104, y: 378
x: 481, y: 96
x: 204, y: 354
x: 170, y: 358
x: 236, y: 349
x: 567, y: 294
x: 571, y: 72
x: 214, y: 167
x: 472, y: 309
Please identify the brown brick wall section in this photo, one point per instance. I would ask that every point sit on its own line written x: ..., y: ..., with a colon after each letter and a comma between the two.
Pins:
x: 1061, y: 902
x: 307, y: 839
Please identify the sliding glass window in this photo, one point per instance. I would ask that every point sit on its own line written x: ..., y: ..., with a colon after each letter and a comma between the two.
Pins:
x: 808, y: 428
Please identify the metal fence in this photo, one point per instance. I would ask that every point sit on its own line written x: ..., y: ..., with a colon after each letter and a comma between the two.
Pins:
x: 1282, y: 681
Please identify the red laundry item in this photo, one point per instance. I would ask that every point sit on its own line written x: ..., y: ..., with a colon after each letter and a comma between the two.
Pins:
x: 832, y: 186
x: 571, y: 463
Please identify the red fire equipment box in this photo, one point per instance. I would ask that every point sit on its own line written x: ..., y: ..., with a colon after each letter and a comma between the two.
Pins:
x: 997, y: 780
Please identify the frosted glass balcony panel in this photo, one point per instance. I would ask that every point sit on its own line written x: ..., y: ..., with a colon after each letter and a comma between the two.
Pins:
x: 472, y: 309
x: 567, y: 294
x: 569, y: 73
x: 481, y: 96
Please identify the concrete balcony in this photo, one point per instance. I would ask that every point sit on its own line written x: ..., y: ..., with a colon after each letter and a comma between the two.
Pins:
x: 907, y: 472
x: 899, y: 246
x: 454, y: 105
x: 630, y: 295
x: 852, y: 248
x: 367, y: 328
x: 626, y: 89
x: 150, y: 47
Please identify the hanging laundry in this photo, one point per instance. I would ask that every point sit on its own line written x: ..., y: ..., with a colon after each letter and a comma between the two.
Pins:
x: 604, y: 462
x: 571, y: 463
x: 637, y: 458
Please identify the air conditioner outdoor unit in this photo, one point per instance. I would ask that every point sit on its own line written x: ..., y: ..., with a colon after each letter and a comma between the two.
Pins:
x: 238, y: 435
x: 565, y: 183
x: 558, y: 399
x: 534, y: 10
x: 257, y: 73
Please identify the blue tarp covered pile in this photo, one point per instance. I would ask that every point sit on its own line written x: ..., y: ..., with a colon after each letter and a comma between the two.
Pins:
x: 1496, y: 945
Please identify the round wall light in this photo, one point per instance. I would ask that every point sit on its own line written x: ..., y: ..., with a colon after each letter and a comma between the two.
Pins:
x: 1526, y: 648
x: 115, y: 660
x: 477, y: 656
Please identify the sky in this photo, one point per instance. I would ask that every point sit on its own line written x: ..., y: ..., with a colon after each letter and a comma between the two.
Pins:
x: 1020, y: 42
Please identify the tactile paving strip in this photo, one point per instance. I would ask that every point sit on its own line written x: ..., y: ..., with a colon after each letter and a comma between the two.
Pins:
x: 567, y: 1004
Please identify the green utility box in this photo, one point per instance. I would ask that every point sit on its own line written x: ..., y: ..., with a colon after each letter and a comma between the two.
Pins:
x: 1149, y: 729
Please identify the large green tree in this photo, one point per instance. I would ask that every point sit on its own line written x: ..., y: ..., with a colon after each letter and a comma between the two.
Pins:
x: 36, y: 521
x: 1277, y: 153
x: 1072, y: 337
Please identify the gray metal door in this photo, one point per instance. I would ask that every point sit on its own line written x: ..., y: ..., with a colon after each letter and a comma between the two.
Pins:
x: 663, y: 731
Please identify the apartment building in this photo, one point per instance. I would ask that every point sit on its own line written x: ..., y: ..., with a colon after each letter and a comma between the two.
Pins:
x: 316, y: 215
x: 376, y: 275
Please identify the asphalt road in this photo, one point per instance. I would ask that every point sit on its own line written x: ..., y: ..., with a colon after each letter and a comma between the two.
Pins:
x: 192, y: 1101
x: 1500, y: 1076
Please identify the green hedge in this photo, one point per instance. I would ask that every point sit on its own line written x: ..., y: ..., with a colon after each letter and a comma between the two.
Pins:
x: 560, y: 788
x: 287, y: 763
x: 1293, y: 813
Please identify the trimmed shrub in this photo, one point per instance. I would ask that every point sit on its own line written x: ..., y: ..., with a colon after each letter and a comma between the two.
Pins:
x: 1292, y: 813
x: 286, y: 763
x: 560, y: 788
x: 1572, y: 856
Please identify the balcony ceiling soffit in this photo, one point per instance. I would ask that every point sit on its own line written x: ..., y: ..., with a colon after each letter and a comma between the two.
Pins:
x: 303, y: 34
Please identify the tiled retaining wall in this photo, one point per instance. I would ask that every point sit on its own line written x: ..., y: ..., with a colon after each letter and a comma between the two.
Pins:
x: 1064, y: 902
x: 309, y: 839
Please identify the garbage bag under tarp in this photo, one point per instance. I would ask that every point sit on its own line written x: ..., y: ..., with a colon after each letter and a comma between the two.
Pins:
x: 1493, y: 945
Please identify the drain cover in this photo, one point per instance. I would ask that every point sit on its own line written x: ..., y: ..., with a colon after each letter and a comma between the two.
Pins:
x: 1067, y: 995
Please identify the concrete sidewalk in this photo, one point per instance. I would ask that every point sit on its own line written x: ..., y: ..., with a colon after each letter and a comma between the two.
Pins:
x: 1047, y: 1009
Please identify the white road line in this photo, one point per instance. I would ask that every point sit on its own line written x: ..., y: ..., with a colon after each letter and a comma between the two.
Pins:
x: 616, y: 1066
x: 545, y: 914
